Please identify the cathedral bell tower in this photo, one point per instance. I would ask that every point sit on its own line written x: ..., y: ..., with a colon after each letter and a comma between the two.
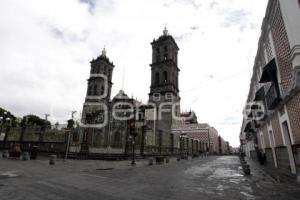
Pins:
x: 164, y: 90
x: 96, y: 106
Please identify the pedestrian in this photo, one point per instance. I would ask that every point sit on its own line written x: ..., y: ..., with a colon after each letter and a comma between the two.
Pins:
x: 264, y: 158
x: 260, y: 157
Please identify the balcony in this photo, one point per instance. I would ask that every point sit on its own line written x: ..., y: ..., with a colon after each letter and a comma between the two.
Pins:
x: 269, y: 73
x: 272, y: 97
x: 260, y: 94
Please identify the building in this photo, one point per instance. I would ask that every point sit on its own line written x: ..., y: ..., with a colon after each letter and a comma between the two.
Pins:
x: 271, y: 121
x: 110, y: 127
x: 206, y: 135
x: 164, y: 91
x: 189, y: 117
x: 222, y: 145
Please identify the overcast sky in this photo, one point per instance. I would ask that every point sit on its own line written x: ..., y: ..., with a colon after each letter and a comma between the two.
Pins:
x: 46, y: 46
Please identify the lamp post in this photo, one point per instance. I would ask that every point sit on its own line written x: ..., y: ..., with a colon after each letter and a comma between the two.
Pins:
x: 133, y: 151
x: 69, y: 135
x: 132, y: 135
x: 7, y: 127
x: 1, y: 121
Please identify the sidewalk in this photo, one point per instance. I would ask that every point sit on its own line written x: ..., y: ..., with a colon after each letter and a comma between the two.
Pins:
x: 276, y: 174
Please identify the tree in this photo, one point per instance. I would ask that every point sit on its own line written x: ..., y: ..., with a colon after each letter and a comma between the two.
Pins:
x: 6, y: 114
x: 34, y: 120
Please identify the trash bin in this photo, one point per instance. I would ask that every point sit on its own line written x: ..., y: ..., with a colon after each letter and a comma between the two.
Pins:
x: 52, y: 159
x: 5, y: 154
x: 33, y: 152
x: 25, y: 156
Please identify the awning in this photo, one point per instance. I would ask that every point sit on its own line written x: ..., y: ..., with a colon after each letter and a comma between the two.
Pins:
x: 260, y: 94
x: 269, y: 72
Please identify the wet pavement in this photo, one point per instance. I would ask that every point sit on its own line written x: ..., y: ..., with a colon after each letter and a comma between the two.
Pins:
x: 212, y: 177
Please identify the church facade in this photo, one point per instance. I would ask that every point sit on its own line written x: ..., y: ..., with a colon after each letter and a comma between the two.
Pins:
x: 111, y: 127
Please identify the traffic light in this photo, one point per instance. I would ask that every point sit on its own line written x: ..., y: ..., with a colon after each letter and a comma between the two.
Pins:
x: 131, y: 124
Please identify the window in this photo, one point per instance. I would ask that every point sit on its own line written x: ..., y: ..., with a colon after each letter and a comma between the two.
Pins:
x: 165, y: 48
x: 165, y: 77
x: 165, y: 56
x: 102, y: 90
x: 93, y: 70
x: 105, y: 69
x: 156, y: 78
x: 157, y: 50
x: 95, y: 90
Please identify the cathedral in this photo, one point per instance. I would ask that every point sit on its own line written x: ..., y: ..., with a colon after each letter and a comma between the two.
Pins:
x: 110, y: 127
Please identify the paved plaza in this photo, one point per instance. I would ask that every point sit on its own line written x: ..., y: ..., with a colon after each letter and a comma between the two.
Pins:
x: 213, y: 177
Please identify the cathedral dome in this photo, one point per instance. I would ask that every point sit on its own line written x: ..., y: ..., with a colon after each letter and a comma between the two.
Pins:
x: 121, y: 95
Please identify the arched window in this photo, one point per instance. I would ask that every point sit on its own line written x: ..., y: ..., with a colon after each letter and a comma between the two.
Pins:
x: 165, y: 76
x: 95, y: 90
x: 102, y: 90
x: 165, y: 48
x: 156, y: 78
x: 165, y: 56
x: 105, y: 70
x: 93, y: 70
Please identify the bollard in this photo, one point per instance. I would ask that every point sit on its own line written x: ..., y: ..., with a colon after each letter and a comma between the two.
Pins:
x: 159, y: 160
x: 246, y: 169
x: 167, y: 159
x: 25, y: 156
x: 52, y: 159
x: 150, y: 161
x: 178, y: 158
x: 5, y: 154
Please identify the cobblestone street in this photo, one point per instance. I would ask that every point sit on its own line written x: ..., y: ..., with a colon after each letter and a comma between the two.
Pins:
x: 200, y: 178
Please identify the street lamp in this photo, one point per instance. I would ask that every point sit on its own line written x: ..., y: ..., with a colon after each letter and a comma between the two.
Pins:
x: 1, y: 120
x: 7, y: 127
x: 69, y: 135
x: 132, y: 135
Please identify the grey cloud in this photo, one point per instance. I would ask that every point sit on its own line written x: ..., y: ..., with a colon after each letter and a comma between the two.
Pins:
x: 236, y: 18
x: 91, y: 4
x: 63, y: 34
x: 194, y: 28
x: 213, y: 4
x: 103, y: 6
x: 187, y: 34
